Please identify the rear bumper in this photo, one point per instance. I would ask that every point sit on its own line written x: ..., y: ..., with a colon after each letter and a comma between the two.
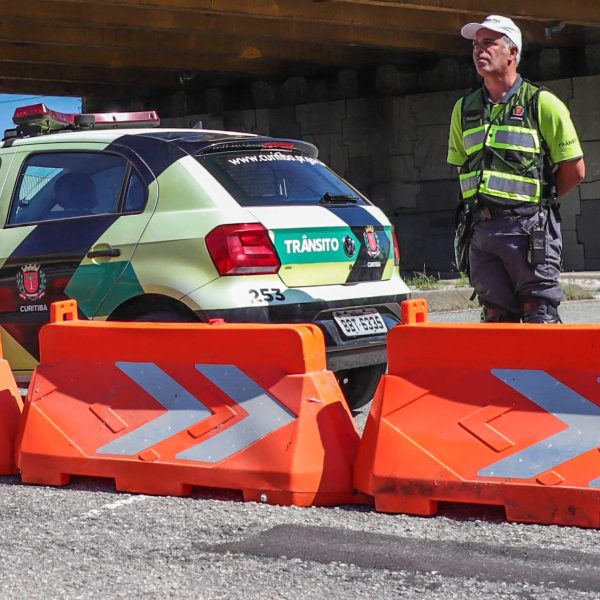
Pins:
x: 357, y: 356
x: 347, y: 353
x: 342, y: 352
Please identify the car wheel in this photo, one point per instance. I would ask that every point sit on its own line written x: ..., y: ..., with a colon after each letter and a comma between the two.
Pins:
x: 161, y: 316
x: 358, y: 385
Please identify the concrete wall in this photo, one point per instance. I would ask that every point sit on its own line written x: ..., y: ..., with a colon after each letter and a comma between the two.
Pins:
x: 393, y: 149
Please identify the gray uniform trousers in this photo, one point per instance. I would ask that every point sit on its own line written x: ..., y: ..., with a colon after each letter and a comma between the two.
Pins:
x: 500, y: 271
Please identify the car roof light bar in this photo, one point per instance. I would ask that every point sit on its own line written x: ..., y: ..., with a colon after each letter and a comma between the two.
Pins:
x: 51, y: 120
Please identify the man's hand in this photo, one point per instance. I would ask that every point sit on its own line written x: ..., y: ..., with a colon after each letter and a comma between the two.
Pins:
x: 570, y: 173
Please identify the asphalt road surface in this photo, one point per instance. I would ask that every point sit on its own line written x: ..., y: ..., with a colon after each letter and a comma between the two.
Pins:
x: 87, y: 541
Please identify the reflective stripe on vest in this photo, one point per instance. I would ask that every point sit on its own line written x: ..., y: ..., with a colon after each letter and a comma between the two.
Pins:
x: 512, y: 187
x: 503, y: 137
x: 501, y: 185
x: 473, y: 139
x: 468, y: 184
x: 515, y: 138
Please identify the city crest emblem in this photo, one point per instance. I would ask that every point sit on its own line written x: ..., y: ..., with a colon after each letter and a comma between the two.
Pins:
x: 371, y: 242
x: 31, y: 281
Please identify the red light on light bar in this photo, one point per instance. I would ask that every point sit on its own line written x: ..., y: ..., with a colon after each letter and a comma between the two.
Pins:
x: 278, y: 146
x: 34, y: 113
x: 27, y: 112
x: 145, y: 118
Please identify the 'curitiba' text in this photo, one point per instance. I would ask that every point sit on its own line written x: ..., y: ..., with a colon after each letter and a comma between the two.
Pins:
x: 33, y: 308
x: 314, y: 245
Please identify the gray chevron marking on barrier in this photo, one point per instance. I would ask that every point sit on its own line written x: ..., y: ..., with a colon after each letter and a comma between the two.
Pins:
x: 265, y: 413
x: 581, y: 416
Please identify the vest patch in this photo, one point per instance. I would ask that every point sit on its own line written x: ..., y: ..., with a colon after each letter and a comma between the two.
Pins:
x: 517, y: 113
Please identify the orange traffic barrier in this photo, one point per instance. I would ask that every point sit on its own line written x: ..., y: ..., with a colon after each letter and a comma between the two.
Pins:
x: 499, y: 414
x: 161, y: 408
x: 11, y: 407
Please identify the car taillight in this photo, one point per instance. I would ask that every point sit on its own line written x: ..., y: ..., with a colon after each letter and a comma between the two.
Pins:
x: 396, y: 248
x: 242, y: 249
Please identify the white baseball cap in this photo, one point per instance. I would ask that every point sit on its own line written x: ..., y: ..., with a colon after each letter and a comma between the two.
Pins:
x: 495, y: 23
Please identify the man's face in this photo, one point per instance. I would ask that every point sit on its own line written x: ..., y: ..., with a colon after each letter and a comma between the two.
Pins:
x: 491, y: 53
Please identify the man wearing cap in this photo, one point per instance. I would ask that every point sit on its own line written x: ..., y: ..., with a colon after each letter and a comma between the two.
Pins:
x: 517, y: 151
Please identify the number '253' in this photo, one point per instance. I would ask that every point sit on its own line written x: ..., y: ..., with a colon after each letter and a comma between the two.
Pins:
x: 267, y: 295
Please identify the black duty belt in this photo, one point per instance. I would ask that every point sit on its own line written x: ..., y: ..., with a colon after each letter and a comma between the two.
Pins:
x: 495, y: 212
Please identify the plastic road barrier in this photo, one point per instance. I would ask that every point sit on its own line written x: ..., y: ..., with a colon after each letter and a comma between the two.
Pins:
x: 500, y: 414
x: 11, y: 407
x: 161, y: 408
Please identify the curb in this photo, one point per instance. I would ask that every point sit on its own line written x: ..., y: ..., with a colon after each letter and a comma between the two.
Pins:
x: 447, y: 299
x: 584, y: 286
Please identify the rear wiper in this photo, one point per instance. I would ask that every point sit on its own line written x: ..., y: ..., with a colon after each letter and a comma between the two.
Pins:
x: 329, y: 198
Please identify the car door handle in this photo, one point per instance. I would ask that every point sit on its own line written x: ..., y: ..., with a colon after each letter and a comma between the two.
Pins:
x: 109, y: 252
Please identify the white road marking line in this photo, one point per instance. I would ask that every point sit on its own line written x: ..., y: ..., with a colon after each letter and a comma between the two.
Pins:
x: 96, y: 512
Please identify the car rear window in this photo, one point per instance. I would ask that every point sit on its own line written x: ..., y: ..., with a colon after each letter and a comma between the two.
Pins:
x: 276, y: 178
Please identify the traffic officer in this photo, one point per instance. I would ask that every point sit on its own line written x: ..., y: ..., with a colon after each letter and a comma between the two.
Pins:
x: 517, y: 151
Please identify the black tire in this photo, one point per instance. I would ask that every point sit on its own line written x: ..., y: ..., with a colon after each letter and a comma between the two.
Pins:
x: 358, y: 385
x: 161, y: 316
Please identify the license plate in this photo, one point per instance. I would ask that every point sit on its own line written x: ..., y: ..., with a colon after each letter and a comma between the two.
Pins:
x: 360, y: 323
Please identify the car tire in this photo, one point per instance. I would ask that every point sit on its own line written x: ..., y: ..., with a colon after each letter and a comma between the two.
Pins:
x: 358, y: 385
x: 161, y: 316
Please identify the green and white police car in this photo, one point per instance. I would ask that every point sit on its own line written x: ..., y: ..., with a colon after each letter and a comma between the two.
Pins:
x: 138, y: 222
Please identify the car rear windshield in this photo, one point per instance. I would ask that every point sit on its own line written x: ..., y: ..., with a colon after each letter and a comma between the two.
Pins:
x: 275, y: 178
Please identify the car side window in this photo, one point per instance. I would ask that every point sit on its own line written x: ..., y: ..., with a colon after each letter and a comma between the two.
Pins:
x: 65, y: 185
x: 136, y: 194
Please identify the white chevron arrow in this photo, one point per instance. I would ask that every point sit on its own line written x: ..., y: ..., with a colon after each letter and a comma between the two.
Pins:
x: 581, y: 416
